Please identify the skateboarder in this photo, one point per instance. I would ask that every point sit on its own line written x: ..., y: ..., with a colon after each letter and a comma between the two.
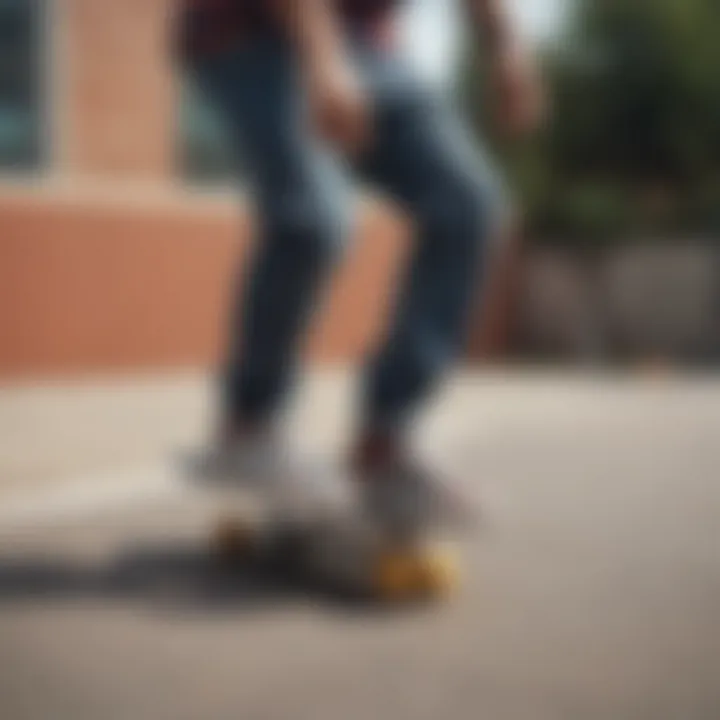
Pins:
x: 311, y: 89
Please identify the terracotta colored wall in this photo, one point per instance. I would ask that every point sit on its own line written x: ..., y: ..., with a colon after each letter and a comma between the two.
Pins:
x: 90, y: 283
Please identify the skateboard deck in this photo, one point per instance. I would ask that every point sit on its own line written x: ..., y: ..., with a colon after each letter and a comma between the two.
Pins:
x: 319, y: 531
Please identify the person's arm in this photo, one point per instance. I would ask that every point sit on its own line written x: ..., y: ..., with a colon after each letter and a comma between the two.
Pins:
x: 493, y: 22
x: 312, y: 25
x: 513, y: 72
x: 336, y: 99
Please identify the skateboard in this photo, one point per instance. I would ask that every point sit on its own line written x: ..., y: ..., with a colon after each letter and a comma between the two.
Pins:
x: 321, y: 534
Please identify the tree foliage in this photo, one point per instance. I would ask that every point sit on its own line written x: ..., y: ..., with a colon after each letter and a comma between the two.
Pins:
x: 634, y: 142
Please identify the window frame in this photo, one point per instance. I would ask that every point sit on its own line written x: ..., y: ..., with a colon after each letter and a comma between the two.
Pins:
x: 44, y: 34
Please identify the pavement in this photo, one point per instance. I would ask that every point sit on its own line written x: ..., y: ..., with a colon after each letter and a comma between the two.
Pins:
x: 591, y: 592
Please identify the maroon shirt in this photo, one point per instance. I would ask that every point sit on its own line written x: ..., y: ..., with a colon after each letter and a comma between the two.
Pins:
x: 210, y: 25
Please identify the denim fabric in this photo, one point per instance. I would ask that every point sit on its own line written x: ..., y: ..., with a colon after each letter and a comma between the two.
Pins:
x: 422, y: 157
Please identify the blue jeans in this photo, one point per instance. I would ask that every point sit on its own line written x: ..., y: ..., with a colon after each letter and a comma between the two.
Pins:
x: 421, y: 157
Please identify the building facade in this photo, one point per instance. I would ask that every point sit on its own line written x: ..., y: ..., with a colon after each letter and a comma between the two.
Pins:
x: 120, y: 237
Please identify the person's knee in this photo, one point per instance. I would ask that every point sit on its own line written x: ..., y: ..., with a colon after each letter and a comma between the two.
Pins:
x: 465, y: 211
x: 308, y: 226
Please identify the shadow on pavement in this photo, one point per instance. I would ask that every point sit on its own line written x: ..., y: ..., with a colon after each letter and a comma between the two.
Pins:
x: 173, y: 578
x: 176, y: 578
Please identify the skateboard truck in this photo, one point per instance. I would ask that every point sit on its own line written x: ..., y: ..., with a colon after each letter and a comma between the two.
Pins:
x: 322, y: 531
x: 342, y: 549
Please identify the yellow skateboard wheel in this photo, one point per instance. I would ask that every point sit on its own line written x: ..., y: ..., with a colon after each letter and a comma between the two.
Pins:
x: 233, y: 538
x: 438, y: 572
x: 415, y: 573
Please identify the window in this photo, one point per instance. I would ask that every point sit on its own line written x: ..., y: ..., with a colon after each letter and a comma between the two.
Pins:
x: 21, y: 25
x: 206, y: 153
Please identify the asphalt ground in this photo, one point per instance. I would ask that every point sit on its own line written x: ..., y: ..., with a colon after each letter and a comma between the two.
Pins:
x: 591, y: 591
